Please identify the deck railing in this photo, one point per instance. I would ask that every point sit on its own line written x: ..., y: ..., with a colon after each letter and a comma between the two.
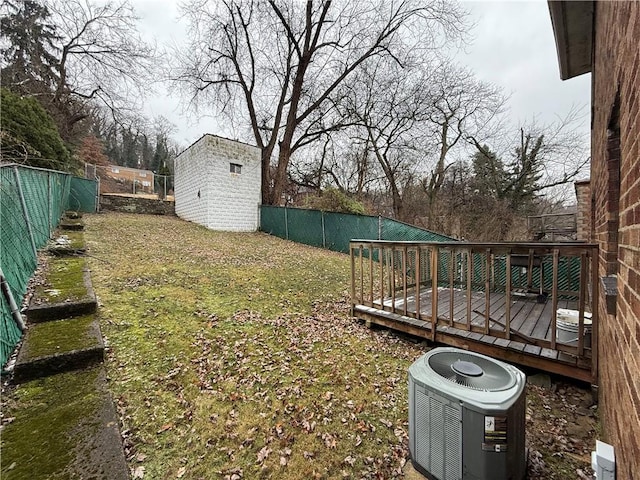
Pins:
x: 511, y: 291
x: 552, y: 222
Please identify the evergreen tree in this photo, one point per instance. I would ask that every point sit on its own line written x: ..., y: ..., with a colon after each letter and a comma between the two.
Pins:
x: 29, y: 62
x: 29, y: 135
x: 489, y: 175
x: 524, y: 173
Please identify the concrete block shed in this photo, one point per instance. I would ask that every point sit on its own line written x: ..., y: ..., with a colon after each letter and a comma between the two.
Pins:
x: 218, y: 184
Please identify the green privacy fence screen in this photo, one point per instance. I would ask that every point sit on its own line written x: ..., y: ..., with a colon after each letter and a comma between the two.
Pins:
x: 83, y: 195
x: 334, y: 230
x: 31, y: 204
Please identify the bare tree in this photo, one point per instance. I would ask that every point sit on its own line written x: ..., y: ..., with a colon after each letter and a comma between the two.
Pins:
x: 281, y: 63
x: 102, y: 58
x: 75, y: 56
x: 462, y: 107
x: 389, y: 106
x: 411, y: 119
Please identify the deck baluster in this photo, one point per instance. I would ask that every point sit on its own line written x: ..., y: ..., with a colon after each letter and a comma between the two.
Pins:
x: 434, y: 291
x: 452, y: 258
x: 487, y: 290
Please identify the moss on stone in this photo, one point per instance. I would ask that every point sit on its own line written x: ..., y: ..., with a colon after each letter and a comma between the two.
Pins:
x: 74, y: 237
x: 64, y: 281
x: 51, y: 415
x: 50, y: 338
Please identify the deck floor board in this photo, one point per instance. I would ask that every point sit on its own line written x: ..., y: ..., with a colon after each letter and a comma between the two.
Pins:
x: 530, y: 323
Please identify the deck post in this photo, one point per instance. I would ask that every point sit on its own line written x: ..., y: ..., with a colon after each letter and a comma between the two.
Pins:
x: 404, y: 278
x: 507, y: 320
x: 595, y: 314
x: 382, y: 260
x: 581, y: 302
x: 360, y: 250
x: 353, y: 280
x: 469, y: 286
x: 418, y: 276
x: 554, y: 298
x: 371, y: 274
x: 434, y: 291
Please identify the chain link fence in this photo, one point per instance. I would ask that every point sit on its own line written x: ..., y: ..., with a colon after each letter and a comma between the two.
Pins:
x: 333, y: 230
x: 32, y: 202
x: 127, y: 181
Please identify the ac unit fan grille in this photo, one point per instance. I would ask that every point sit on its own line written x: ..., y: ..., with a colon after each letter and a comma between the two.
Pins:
x: 472, y: 371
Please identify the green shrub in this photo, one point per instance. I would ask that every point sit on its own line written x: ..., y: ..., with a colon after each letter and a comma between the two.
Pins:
x: 334, y: 200
x: 29, y: 135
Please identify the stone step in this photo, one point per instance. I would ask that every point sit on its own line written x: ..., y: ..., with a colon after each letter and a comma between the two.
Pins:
x: 67, y: 243
x: 71, y: 225
x: 66, y: 292
x: 59, y: 346
x: 62, y: 426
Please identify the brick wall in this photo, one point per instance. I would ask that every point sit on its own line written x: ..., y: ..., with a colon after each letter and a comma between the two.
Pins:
x: 583, y: 216
x: 208, y: 193
x: 615, y: 185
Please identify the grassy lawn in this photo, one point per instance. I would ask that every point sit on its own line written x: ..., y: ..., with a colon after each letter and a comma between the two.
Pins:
x: 233, y: 356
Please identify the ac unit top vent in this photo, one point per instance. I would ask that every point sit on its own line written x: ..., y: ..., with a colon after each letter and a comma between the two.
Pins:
x: 471, y: 371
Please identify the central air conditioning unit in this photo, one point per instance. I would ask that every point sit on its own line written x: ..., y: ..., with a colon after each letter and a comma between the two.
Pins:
x: 466, y: 417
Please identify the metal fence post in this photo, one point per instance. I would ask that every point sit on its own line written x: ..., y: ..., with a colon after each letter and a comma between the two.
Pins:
x: 13, y: 306
x: 97, y: 194
x: 25, y: 211
x: 324, y: 237
x: 50, y: 202
x: 379, y: 227
x: 286, y: 224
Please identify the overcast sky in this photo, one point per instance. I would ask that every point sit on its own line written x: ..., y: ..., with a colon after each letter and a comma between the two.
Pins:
x: 512, y: 47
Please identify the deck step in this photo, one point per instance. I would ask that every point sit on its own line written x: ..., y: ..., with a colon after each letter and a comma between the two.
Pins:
x: 59, y: 346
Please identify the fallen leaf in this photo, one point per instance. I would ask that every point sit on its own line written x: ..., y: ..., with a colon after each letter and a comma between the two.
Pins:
x: 350, y: 460
x: 386, y: 423
x: 138, y: 472
x: 165, y: 427
x: 263, y: 454
x: 181, y: 472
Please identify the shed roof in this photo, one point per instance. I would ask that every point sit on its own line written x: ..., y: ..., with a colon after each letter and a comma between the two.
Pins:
x: 573, y: 30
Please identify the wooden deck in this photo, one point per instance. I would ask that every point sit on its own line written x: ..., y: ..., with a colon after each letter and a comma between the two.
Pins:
x: 471, y: 318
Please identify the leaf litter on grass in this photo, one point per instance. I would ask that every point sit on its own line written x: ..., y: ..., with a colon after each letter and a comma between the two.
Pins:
x: 234, y: 356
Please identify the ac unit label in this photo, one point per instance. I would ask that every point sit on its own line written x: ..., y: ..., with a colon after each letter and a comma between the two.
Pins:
x: 495, y: 434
